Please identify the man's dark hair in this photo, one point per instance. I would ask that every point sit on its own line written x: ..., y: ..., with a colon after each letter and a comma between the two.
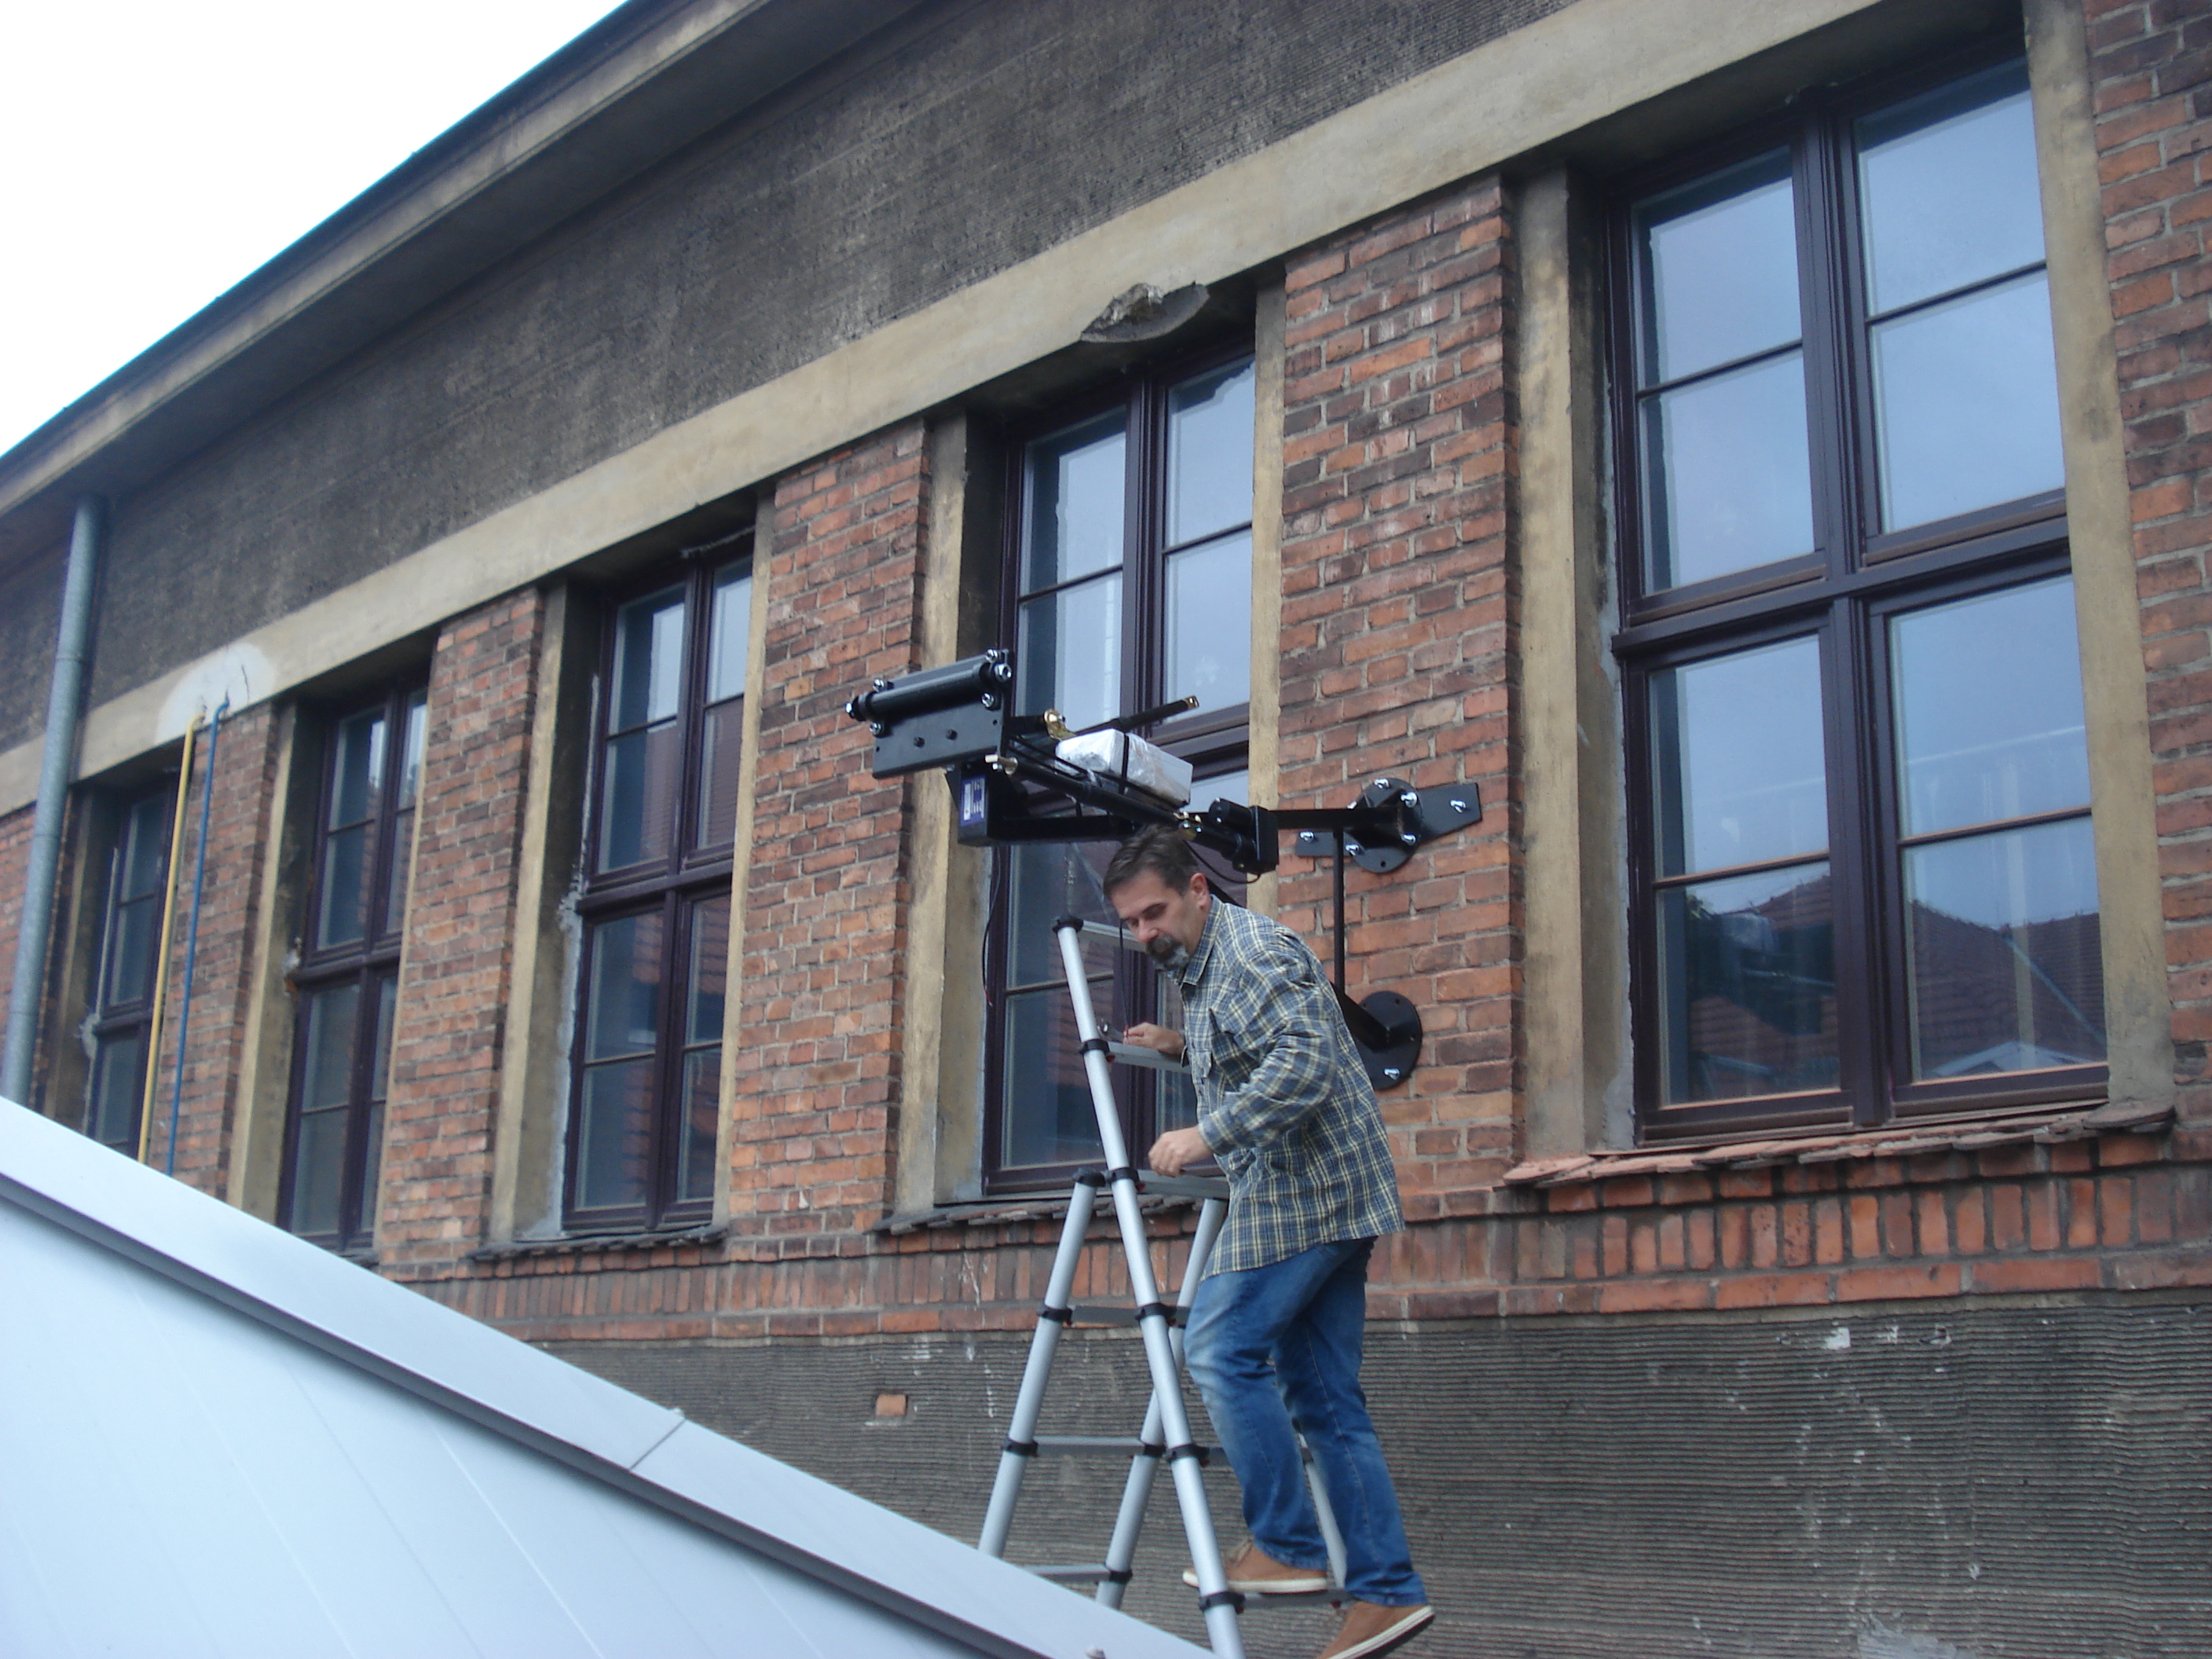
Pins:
x: 1161, y: 850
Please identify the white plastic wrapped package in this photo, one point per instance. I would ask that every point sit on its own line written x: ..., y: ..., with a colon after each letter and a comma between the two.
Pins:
x: 1131, y: 761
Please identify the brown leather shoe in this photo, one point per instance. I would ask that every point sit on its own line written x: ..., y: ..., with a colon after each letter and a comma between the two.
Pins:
x: 1253, y: 1572
x: 1370, y: 1628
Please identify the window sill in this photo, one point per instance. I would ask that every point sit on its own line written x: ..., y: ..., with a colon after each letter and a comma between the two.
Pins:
x: 1002, y: 1212
x: 2048, y: 1128
x: 597, y: 1244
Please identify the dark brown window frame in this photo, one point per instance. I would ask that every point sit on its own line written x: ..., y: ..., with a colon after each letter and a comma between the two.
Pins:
x: 1856, y: 577
x: 674, y: 886
x: 367, y: 963
x: 1216, y: 741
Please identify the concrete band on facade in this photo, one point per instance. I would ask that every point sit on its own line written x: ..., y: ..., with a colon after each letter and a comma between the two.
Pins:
x: 1920, y: 1396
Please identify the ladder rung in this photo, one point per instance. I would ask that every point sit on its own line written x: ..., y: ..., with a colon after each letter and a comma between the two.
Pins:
x: 1077, y: 1572
x: 1126, y: 1444
x: 1108, y: 1314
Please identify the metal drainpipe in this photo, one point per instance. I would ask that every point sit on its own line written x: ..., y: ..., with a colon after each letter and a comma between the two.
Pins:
x: 64, y: 703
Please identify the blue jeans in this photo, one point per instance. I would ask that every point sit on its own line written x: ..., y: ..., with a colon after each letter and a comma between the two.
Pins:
x: 1279, y: 1346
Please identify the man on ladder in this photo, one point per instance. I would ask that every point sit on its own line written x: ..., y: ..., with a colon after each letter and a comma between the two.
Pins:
x: 1274, y: 1336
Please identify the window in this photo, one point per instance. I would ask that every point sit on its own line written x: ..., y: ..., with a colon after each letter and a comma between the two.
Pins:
x: 122, y: 1019
x: 1862, y: 881
x: 1128, y: 583
x: 647, y: 1067
x: 349, y: 970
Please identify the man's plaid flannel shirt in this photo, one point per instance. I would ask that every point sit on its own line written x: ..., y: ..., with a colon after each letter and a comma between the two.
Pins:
x: 1282, y: 1098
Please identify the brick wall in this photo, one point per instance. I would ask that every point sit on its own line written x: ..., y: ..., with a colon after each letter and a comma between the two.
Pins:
x: 449, y: 1020
x: 1398, y: 640
x: 825, y: 912
x: 2151, y: 68
x: 15, y: 861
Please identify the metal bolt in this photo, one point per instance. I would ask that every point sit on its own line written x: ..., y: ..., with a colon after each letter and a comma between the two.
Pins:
x: 1409, y: 798
x: 1409, y: 839
x: 1391, y: 1074
x: 1458, y: 805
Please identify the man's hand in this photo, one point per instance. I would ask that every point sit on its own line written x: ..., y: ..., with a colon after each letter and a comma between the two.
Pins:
x: 1178, y: 1149
x: 1158, y: 1039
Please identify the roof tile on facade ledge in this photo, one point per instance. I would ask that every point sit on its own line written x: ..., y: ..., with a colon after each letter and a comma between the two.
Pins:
x: 2068, y: 1123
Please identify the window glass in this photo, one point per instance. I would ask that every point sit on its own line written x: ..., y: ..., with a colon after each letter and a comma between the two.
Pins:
x: 1070, y: 651
x: 729, y: 629
x: 2007, y: 969
x: 111, y: 1115
x: 1965, y: 384
x: 701, y: 1084
x: 1210, y: 454
x: 318, y: 1148
x: 1948, y: 189
x: 1726, y: 474
x: 403, y: 833
x: 1747, y: 985
x: 349, y: 841
x: 623, y: 1027
x: 1741, y: 772
x: 1990, y: 723
x: 1209, y: 644
x: 1729, y: 481
x: 1075, y: 483
x: 1720, y: 269
x: 1966, y: 403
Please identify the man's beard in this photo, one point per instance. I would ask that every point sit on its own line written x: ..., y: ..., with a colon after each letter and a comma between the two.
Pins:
x: 1163, y: 949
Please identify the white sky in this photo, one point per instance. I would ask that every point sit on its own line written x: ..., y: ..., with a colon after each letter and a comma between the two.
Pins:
x: 154, y: 152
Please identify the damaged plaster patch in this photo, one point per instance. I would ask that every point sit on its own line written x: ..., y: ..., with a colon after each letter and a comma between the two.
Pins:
x: 1839, y: 1340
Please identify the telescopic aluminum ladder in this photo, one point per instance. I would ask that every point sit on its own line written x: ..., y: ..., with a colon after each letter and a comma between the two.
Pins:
x: 1167, y: 1431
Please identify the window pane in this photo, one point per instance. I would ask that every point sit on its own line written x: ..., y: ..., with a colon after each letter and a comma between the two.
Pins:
x: 342, y: 912
x: 358, y: 769
x: 1222, y: 785
x: 695, y: 1147
x: 145, y: 833
x: 131, y: 957
x: 1740, y: 764
x: 644, y: 782
x: 111, y: 1112
x: 1050, y: 881
x: 371, y: 1171
x: 1719, y: 269
x: 387, y: 992
x: 1070, y: 652
x: 720, y: 757
x: 1049, y: 1117
x: 1729, y: 481
x: 1966, y: 403
x: 1075, y: 483
x: 403, y: 852
x: 1948, y: 189
x: 729, y: 634
x: 648, y: 660
x: 410, y: 757
x: 326, y: 1072
x: 624, y: 1017
x: 1988, y: 708
x: 1210, y: 623
x: 1210, y: 454
x: 2007, y: 973
x: 614, y: 1141
x: 1748, y: 994
x: 318, y: 1172
x: 710, y: 970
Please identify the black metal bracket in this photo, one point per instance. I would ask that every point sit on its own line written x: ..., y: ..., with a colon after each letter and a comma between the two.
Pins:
x: 1000, y: 764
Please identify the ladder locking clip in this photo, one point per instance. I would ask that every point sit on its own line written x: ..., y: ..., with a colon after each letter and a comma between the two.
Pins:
x: 1221, y: 1598
x: 1021, y: 1447
x: 1059, y: 1315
